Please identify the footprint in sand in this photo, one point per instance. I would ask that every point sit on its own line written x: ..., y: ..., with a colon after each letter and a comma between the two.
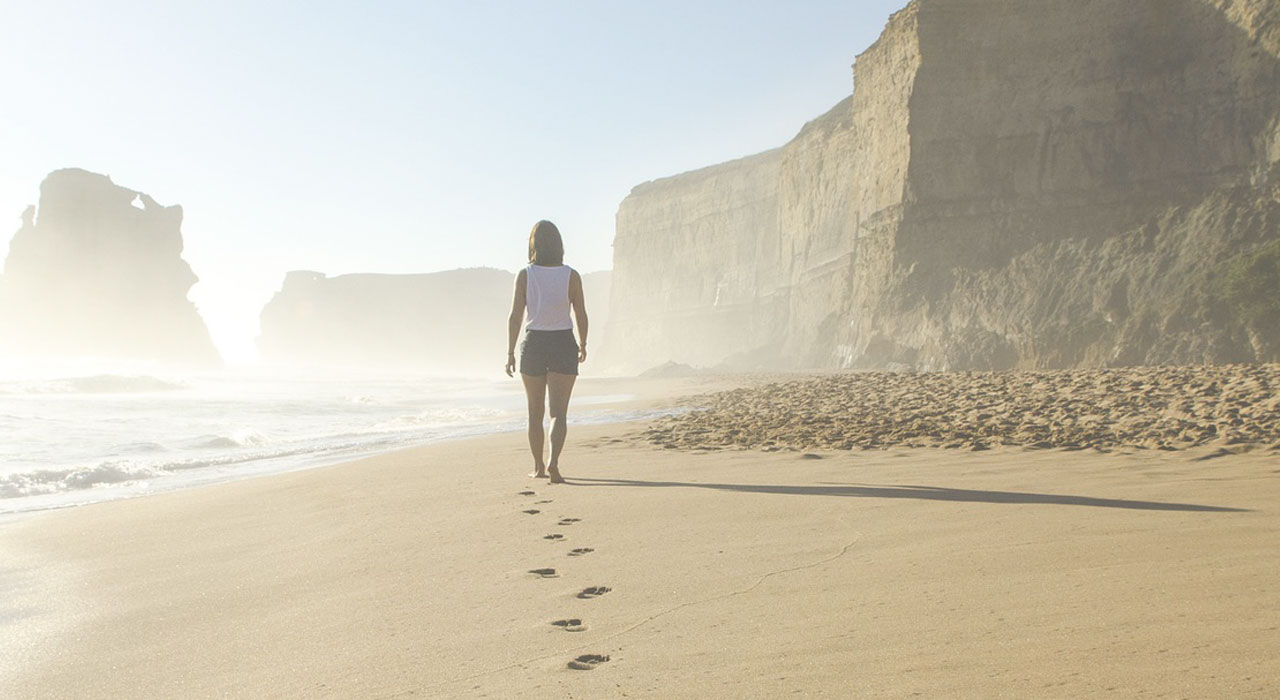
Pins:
x: 570, y: 625
x: 541, y: 502
x: 544, y: 573
x: 593, y: 592
x: 531, y: 511
x: 570, y: 521
x: 553, y: 536
x: 580, y: 551
x: 528, y: 493
x: 586, y: 662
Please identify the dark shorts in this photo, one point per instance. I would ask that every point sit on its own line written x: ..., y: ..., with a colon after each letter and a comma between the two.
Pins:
x: 543, y: 351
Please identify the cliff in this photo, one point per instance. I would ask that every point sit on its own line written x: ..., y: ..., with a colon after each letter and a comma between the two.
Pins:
x: 441, y: 322
x: 1012, y: 183
x: 97, y: 271
x: 695, y: 264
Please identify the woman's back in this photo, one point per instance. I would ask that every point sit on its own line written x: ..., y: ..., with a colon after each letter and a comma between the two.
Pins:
x: 547, y: 298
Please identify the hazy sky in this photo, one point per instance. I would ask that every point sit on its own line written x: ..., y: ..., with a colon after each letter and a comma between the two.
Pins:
x: 402, y: 136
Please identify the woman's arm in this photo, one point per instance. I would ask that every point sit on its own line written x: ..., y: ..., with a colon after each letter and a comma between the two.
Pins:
x: 513, y: 321
x: 579, y: 312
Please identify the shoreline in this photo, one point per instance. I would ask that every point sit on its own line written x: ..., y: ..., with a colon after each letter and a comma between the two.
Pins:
x: 602, y: 405
x: 733, y: 573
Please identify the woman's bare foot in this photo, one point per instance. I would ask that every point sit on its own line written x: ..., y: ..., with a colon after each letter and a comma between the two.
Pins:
x: 555, y: 475
x: 538, y: 473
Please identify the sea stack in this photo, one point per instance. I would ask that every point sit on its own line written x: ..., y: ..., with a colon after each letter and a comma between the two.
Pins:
x: 96, y: 271
x: 1011, y: 184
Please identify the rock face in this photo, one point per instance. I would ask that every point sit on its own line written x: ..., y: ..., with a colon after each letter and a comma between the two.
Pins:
x: 696, y: 265
x: 441, y: 323
x: 1013, y: 183
x: 97, y: 271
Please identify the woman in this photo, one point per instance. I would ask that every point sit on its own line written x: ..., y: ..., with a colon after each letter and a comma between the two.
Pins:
x: 549, y: 357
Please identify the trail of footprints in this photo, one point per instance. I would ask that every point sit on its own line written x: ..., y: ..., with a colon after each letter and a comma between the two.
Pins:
x: 585, y: 662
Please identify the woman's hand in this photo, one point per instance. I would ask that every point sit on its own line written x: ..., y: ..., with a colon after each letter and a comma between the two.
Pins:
x: 511, y: 364
x: 582, y: 353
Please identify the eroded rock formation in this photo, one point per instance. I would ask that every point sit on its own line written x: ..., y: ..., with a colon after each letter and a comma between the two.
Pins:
x: 97, y: 271
x: 441, y: 322
x: 1013, y: 183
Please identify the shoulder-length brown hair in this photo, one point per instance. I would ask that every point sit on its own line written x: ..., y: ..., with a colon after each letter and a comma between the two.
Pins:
x: 545, y: 245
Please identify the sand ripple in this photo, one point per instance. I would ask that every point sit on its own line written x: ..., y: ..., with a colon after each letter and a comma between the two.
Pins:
x: 1144, y: 407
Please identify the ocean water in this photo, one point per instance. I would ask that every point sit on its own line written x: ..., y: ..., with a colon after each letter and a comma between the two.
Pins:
x: 73, y: 438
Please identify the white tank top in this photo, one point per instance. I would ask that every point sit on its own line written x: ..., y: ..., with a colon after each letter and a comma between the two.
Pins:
x: 546, y: 297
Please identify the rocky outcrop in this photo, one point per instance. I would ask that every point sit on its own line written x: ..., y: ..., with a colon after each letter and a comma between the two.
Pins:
x: 441, y: 323
x: 1013, y: 183
x: 97, y: 271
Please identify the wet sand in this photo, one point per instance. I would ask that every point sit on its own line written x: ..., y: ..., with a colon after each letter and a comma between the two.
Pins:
x: 786, y: 569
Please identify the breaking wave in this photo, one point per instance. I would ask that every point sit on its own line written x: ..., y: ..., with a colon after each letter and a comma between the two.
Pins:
x: 116, y: 472
x: 46, y: 481
x: 239, y: 438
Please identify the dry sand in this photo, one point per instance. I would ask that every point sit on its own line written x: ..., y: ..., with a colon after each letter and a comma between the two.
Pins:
x: 891, y: 573
x: 1166, y: 408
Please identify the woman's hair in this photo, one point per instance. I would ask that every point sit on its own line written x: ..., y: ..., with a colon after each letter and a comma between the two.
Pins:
x: 545, y: 246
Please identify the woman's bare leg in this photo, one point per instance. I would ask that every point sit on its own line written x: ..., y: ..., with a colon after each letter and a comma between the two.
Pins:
x: 535, y: 390
x: 559, y: 388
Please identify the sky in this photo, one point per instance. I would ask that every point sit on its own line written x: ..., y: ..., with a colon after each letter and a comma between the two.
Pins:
x: 402, y: 137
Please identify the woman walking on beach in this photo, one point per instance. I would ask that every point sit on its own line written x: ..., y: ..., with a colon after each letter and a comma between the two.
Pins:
x: 549, y: 355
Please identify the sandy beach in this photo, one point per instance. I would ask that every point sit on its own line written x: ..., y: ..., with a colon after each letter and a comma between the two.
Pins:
x: 681, y: 563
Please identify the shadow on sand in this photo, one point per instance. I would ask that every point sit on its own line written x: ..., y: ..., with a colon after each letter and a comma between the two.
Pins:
x: 926, y: 493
